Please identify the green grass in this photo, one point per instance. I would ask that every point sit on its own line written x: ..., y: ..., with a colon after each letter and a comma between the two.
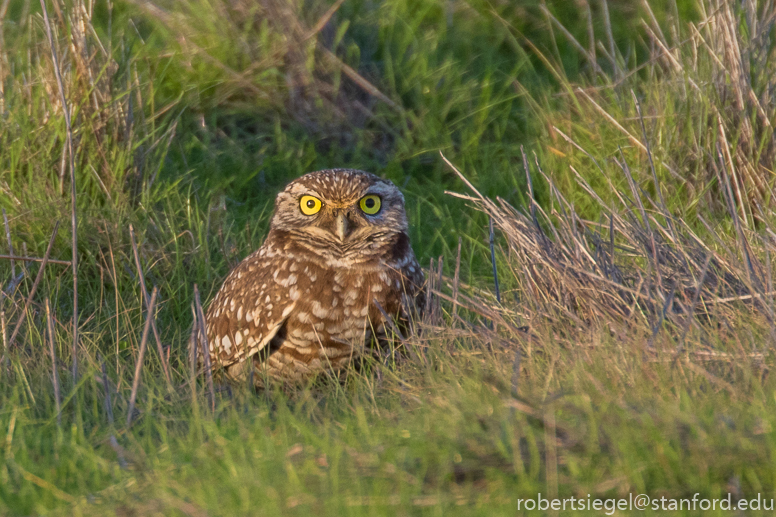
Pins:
x: 188, y: 117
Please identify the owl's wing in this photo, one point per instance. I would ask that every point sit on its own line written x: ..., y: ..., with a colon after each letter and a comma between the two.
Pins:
x: 248, y: 311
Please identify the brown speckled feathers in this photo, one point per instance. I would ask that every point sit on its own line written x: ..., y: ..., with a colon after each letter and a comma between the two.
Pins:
x: 304, y: 302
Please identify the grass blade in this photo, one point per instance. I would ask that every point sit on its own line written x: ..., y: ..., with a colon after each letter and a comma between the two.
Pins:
x: 52, y: 350
x: 141, y: 353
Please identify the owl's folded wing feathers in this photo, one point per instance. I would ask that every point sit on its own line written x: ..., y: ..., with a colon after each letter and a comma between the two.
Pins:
x: 247, y: 312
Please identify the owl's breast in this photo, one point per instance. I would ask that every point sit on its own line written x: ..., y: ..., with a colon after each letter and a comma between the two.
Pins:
x: 334, y: 308
x: 335, y: 316
x: 339, y: 303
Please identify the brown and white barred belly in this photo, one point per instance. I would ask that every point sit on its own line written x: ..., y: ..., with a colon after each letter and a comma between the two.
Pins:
x: 326, y: 314
x: 327, y: 330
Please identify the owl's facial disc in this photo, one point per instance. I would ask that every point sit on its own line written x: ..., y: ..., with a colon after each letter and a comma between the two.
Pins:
x: 346, y: 220
x: 345, y: 208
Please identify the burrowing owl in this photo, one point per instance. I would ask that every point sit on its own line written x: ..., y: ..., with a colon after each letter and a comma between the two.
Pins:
x: 307, y: 300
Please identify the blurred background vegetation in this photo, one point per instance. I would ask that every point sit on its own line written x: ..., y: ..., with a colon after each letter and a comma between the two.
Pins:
x: 232, y: 99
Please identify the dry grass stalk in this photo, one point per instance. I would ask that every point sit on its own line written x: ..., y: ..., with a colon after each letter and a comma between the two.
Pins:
x: 116, y: 299
x: 10, y: 244
x: 34, y: 288
x: 439, y: 281
x: 515, y: 380
x: 34, y: 259
x: 52, y: 350
x: 141, y: 353
x: 456, y: 279
x: 71, y: 157
x: 492, y: 245
x: 651, y: 268
x: 4, y: 331
x: 3, y: 62
x: 321, y: 23
x: 106, y: 387
x: 144, y: 292
x: 193, y: 355
x: 430, y: 287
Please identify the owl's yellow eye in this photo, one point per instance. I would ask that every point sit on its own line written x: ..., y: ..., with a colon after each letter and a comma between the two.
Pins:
x: 310, y: 205
x: 370, y: 204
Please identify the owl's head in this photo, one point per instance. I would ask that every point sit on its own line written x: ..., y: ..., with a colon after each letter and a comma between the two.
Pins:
x: 342, y: 207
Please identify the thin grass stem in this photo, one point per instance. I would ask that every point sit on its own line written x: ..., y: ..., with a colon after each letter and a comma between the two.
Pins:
x: 144, y: 292
x: 52, y: 350
x: 141, y: 353
x: 34, y: 289
x: 71, y: 156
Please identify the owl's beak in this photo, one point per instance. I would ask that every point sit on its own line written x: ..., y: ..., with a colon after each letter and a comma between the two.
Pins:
x: 342, y: 226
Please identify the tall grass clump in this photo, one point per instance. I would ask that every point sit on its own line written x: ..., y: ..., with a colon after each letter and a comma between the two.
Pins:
x: 704, y: 92
x: 111, y: 115
x: 603, y: 327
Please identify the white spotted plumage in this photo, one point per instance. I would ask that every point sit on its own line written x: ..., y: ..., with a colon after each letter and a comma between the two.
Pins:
x: 307, y: 299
